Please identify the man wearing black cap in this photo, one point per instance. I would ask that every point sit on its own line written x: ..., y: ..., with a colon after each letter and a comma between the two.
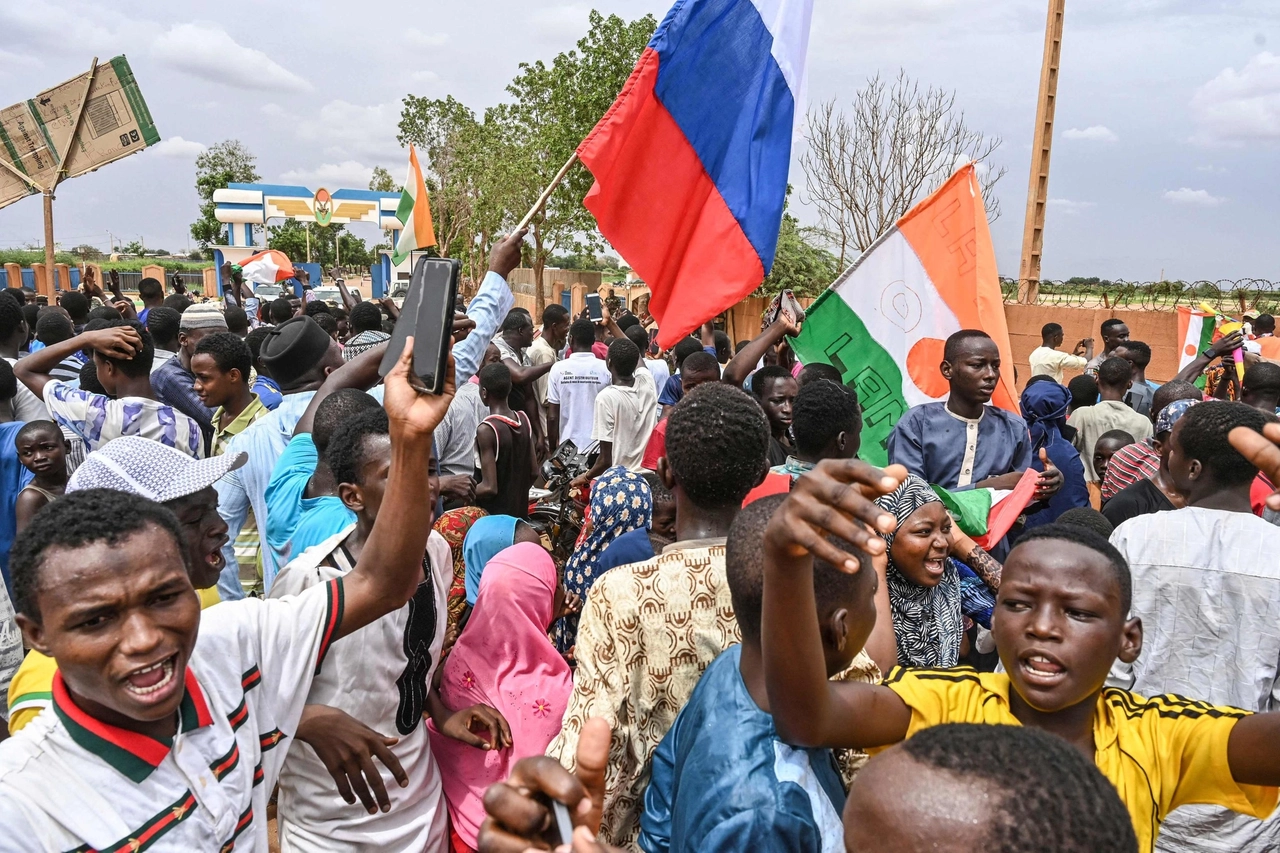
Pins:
x: 299, y: 355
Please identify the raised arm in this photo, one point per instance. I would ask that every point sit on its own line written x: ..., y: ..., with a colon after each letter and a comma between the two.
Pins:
x: 117, y: 342
x: 390, y: 566
x: 1228, y: 343
x: 361, y: 372
x: 808, y: 710
x: 741, y: 365
x: 490, y: 305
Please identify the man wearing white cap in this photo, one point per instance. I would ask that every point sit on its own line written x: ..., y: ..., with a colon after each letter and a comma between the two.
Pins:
x: 174, y: 383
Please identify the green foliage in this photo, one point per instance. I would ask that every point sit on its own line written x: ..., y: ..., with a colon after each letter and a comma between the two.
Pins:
x: 87, y: 252
x: 290, y: 237
x: 382, y: 182
x: 225, y: 163
x: 133, y: 247
x: 484, y: 172
x: 27, y: 257
x: 800, y: 264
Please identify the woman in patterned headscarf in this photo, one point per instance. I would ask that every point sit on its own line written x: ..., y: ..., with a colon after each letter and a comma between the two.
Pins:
x: 929, y: 592
x: 620, y: 502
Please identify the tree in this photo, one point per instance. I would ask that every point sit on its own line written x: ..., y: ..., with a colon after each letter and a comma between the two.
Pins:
x: 799, y: 264
x: 864, y: 171
x: 134, y: 247
x: 225, y: 163
x: 382, y: 182
x: 86, y: 252
x: 459, y: 171
x: 555, y: 107
x: 292, y: 236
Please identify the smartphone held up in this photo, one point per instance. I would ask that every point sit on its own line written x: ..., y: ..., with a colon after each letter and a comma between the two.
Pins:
x: 427, y: 316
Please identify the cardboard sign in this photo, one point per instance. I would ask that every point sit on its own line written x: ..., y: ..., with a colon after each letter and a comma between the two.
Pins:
x: 35, y: 134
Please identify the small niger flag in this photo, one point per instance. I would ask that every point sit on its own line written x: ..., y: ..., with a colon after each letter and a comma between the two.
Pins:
x: 414, y: 213
x: 987, y: 515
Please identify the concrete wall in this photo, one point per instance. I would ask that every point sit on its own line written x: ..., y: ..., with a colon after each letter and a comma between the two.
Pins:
x: 1158, y: 329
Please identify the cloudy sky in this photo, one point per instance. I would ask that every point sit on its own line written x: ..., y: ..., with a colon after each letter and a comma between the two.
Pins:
x: 1165, y: 159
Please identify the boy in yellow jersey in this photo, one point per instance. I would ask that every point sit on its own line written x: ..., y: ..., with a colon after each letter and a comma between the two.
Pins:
x: 1059, y: 623
x: 184, y: 485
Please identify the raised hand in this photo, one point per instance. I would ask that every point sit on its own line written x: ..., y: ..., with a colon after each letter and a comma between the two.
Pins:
x: 118, y: 342
x: 835, y: 499
x: 506, y: 253
x: 347, y: 748
x: 412, y: 412
x: 1263, y: 451
x: 518, y: 819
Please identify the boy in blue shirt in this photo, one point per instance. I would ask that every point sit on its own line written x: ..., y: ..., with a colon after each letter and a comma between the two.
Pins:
x: 722, y: 779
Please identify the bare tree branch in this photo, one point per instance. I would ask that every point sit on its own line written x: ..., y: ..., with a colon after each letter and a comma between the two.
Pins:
x: 865, y: 170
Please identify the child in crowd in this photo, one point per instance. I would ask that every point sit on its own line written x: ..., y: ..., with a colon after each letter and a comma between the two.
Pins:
x: 1108, y: 444
x: 1061, y: 621
x: 43, y: 451
x: 1008, y: 788
x: 625, y: 414
x: 505, y: 445
x: 721, y: 778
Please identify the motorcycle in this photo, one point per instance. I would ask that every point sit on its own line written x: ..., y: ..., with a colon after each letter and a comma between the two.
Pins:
x: 553, y: 512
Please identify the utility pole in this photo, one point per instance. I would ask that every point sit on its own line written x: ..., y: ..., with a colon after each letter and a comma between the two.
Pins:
x: 1041, y: 145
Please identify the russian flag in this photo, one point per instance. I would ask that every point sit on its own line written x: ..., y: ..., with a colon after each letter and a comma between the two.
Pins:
x: 691, y: 161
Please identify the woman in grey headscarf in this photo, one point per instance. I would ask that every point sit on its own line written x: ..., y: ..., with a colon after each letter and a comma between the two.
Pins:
x: 929, y: 592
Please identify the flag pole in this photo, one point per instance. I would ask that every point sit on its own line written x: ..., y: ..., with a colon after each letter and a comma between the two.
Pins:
x: 546, y: 194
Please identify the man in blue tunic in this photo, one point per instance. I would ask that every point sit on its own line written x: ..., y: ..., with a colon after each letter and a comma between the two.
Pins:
x: 965, y: 443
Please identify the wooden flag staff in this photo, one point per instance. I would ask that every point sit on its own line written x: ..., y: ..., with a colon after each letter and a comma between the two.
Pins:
x: 546, y: 194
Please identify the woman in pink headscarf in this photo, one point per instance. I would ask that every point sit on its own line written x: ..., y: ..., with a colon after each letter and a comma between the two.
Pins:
x: 505, y: 660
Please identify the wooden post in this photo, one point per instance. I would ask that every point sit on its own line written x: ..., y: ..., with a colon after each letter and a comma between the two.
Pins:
x: 1038, y: 189
x: 48, y: 288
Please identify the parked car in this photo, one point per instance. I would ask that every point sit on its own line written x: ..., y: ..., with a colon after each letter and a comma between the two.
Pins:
x: 268, y: 292
x: 332, y: 295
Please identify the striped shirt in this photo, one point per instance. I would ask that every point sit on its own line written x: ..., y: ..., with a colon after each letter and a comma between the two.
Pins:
x: 72, y: 782
x: 1129, y: 465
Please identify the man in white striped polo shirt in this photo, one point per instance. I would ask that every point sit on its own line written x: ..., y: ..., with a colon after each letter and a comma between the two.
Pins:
x: 166, y: 732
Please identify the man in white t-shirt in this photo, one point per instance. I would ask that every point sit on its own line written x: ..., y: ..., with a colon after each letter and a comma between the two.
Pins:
x: 381, y: 675
x: 573, y: 387
x: 169, y: 730
x: 625, y: 414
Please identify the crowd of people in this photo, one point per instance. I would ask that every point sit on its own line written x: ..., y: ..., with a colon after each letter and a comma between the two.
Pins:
x: 257, y: 594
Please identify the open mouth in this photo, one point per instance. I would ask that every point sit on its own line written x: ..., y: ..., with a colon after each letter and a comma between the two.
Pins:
x: 214, y: 559
x: 153, y: 684
x: 1041, y: 670
x: 935, y: 568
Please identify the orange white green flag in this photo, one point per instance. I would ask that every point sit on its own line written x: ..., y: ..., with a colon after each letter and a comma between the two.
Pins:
x: 414, y: 213
x: 884, y: 322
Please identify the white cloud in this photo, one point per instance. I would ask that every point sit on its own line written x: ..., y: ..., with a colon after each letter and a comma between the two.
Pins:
x: 354, y: 132
x: 348, y: 174
x: 425, y: 77
x: 564, y: 22
x: 417, y: 38
x: 271, y: 109
x: 1240, y: 107
x: 1069, y: 207
x: 1196, y: 198
x: 206, y: 51
x: 1095, y: 133
x: 179, y: 148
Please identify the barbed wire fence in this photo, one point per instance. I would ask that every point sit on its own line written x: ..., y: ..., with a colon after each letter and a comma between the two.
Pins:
x: 1230, y: 296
